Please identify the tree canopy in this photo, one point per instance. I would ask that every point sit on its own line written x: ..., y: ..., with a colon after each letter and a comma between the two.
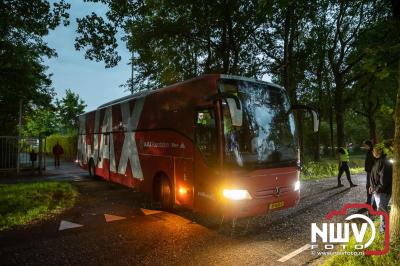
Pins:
x: 23, y: 24
x: 322, y: 52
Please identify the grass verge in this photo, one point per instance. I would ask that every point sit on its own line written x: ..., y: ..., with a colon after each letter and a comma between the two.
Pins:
x: 391, y: 258
x: 24, y: 203
x: 329, y: 167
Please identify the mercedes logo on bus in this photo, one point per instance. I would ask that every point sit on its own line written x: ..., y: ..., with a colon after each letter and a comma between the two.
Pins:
x: 277, y: 191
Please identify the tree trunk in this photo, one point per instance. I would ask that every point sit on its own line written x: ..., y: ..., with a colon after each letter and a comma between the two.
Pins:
x: 331, y: 132
x: 339, y: 109
x: 317, y: 156
x: 372, y: 129
x: 226, y: 45
x: 395, y: 210
x: 299, y: 118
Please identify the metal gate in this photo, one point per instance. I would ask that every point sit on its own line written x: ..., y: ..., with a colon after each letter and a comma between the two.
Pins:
x: 8, y: 153
x: 16, y: 156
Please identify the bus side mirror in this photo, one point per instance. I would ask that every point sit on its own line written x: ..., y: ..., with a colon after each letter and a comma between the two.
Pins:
x: 315, y: 120
x: 234, y: 104
x: 236, y: 113
x: 313, y: 112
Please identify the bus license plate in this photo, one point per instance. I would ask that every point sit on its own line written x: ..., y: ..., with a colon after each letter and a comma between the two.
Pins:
x: 276, y: 205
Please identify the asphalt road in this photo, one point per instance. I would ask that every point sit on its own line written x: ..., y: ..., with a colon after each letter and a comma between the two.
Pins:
x: 142, y: 236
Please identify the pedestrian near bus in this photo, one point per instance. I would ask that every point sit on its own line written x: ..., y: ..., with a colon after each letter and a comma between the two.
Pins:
x: 344, y: 160
x: 57, y: 152
x: 369, y: 162
x: 381, y: 182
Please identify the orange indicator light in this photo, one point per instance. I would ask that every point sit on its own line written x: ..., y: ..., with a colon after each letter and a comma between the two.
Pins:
x: 182, y: 191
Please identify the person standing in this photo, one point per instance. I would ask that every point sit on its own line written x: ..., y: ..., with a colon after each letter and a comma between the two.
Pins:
x: 57, y: 152
x: 369, y: 162
x: 381, y: 182
x: 344, y: 160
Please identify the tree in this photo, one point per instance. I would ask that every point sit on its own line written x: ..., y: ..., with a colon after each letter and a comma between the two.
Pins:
x: 22, y: 27
x: 394, y: 24
x: 175, y: 40
x: 41, y: 121
x: 69, y: 108
x: 349, y: 19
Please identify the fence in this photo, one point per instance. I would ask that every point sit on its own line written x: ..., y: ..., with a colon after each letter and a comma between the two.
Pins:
x: 8, y: 153
x: 14, y: 156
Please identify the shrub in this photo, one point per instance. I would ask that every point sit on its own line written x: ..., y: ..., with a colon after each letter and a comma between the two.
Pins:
x: 68, y: 143
x: 329, y: 167
x: 392, y: 258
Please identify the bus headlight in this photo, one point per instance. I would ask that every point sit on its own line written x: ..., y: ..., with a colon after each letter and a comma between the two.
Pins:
x: 297, y: 185
x: 236, y: 194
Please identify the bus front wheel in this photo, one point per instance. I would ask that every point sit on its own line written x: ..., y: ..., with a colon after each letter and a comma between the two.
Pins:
x: 92, y: 169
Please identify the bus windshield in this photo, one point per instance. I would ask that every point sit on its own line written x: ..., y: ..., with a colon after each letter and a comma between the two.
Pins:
x: 267, y: 137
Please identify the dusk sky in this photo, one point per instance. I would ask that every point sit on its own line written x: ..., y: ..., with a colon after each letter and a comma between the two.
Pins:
x: 90, y: 79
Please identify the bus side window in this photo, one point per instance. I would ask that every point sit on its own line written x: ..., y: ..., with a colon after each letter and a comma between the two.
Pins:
x: 206, y: 137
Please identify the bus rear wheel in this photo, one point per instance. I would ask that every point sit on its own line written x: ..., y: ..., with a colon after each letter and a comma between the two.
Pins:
x: 166, y: 198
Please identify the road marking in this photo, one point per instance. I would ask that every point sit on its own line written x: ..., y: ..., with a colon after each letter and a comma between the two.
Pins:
x: 111, y: 218
x: 149, y: 212
x: 294, y: 253
x: 68, y: 225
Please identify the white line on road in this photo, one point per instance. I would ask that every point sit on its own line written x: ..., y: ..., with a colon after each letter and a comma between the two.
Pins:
x: 294, y: 253
x: 111, y: 218
x: 68, y: 225
x: 149, y: 212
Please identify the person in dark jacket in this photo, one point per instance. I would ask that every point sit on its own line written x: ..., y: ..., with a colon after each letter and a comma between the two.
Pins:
x: 369, y: 162
x: 381, y: 182
x: 57, y: 152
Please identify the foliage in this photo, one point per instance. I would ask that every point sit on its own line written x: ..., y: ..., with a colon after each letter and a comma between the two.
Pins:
x: 391, y: 258
x: 386, y: 146
x: 329, y: 168
x: 319, y: 51
x: 62, y: 118
x: 24, y: 203
x: 69, y: 108
x: 175, y: 40
x: 23, y: 78
x: 40, y: 121
x: 68, y: 143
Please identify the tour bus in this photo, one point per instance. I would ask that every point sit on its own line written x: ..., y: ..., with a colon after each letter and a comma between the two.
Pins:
x: 216, y: 144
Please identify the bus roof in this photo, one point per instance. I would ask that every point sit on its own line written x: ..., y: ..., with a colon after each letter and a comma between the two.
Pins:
x: 145, y: 93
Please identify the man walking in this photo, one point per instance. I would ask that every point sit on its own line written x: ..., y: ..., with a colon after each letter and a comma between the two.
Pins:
x: 344, y: 160
x: 57, y: 152
x: 381, y: 183
x: 369, y: 162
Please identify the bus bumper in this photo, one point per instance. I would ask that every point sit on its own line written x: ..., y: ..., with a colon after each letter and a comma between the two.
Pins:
x: 258, y: 206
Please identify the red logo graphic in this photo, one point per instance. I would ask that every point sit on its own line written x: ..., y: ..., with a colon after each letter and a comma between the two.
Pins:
x: 385, y: 215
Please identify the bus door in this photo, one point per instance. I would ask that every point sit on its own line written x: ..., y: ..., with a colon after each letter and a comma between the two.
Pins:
x: 103, y: 165
x: 205, y: 159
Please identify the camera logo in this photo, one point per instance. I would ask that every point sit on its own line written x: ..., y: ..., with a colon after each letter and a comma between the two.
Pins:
x: 334, y: 234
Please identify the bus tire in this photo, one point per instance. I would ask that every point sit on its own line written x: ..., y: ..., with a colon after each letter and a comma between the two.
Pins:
x: 92, y: 168
x: 166, y: 195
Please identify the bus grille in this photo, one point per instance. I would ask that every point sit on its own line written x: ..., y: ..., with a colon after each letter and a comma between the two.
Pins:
x: 272, y: 192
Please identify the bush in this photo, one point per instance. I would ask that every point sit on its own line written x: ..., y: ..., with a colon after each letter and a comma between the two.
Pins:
x: 392, y: 258
x: 329, y: 167
x: 68, y: 143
